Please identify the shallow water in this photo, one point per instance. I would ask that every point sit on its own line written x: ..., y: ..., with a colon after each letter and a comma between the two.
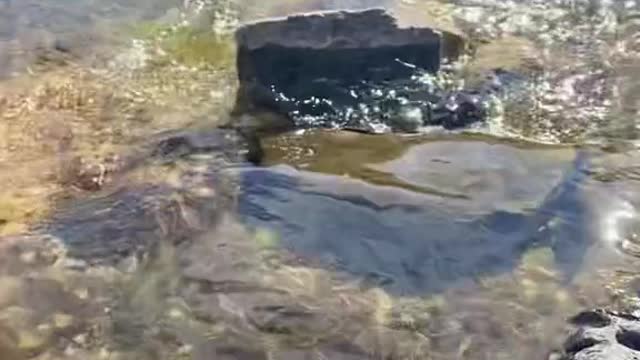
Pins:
x: 437, y: 213
x: 133, y: 229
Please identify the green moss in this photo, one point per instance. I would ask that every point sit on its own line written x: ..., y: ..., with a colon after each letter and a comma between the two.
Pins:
x: 190, y: 47
x: 542, y: 257
x: 266, y: 239
x: 187, y: 45
x: 16, y: 212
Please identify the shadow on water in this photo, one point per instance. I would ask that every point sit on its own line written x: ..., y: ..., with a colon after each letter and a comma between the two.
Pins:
x: 563, y: 220
x: 407, y: 241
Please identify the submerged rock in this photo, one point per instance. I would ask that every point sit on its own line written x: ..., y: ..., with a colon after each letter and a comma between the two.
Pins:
x: 344, y: 68
x: 604, y: 335
x: 130, y: 217
x: 418, y: 216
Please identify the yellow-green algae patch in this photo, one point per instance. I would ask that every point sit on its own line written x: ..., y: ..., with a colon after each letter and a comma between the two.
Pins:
x: 187, y: 45
x: 57, y: 114
x: 192, y: 47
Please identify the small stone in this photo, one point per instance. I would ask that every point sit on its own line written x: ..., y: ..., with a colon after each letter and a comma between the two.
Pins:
x: 204, y: 192
x: 185, y: 350
x: 31, y: 340
x: 74, y: 264
x: 28, y: 257
x: 82, y: 293
x: 176, y: 314
x: 80, y: 339
x: 44, y: 328
x: 62, y: 321
x: 555, y: 356
x: 410, y: 119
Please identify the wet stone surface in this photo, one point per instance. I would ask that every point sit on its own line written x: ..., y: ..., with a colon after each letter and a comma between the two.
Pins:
x: 602, y: 334
x: 358, y: 247
x: 289, y: 66
x: 126, y: 219
x: 471, y: 218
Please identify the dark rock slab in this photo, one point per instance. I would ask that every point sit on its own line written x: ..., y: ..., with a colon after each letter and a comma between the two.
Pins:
x: 339, y: 68
x: 604, y: 335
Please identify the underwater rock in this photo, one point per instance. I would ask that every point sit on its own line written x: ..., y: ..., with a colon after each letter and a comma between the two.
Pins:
x: 417, y: 216
x: 604, y: 335
x: 341, y: 68
x: 128, y: 218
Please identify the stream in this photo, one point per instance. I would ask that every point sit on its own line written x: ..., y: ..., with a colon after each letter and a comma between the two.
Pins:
x: 143, y: 217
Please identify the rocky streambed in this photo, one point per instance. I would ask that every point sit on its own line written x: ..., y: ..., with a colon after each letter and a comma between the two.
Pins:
x: 274, y: 237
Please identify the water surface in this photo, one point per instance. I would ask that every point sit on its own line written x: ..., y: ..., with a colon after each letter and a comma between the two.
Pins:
x: 134, y: 229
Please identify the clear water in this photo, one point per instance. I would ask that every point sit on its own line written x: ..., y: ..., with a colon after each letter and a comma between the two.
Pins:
x: 132, y: 229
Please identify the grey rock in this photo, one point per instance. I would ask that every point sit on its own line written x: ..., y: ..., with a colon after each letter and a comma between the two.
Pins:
x: 603, y: 335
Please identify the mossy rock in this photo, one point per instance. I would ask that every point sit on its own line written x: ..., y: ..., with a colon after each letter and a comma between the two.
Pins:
x: 191, y: 47
x: 188, y: 45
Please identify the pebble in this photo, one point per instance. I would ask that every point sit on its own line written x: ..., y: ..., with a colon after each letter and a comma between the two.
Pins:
x: 31, y: 340
x: 73, y: 264
x: 204, y: 192
x: 80, y: 339
x: 62, y: 321
x: 411, y: 119
x: 176, y: 314
x: 555, y: 356
x: 185, y: 350
x: 82, y: 293
x: 28, y: 257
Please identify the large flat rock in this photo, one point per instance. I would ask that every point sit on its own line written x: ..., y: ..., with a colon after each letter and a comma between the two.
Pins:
x: 417, y: 217
x: 326, y: 66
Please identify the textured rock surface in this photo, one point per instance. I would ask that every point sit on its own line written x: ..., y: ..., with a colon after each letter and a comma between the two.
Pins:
x: 128, y: 218
x: 604, y: 335
x: 415, y: 217
x: 328, y: 67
